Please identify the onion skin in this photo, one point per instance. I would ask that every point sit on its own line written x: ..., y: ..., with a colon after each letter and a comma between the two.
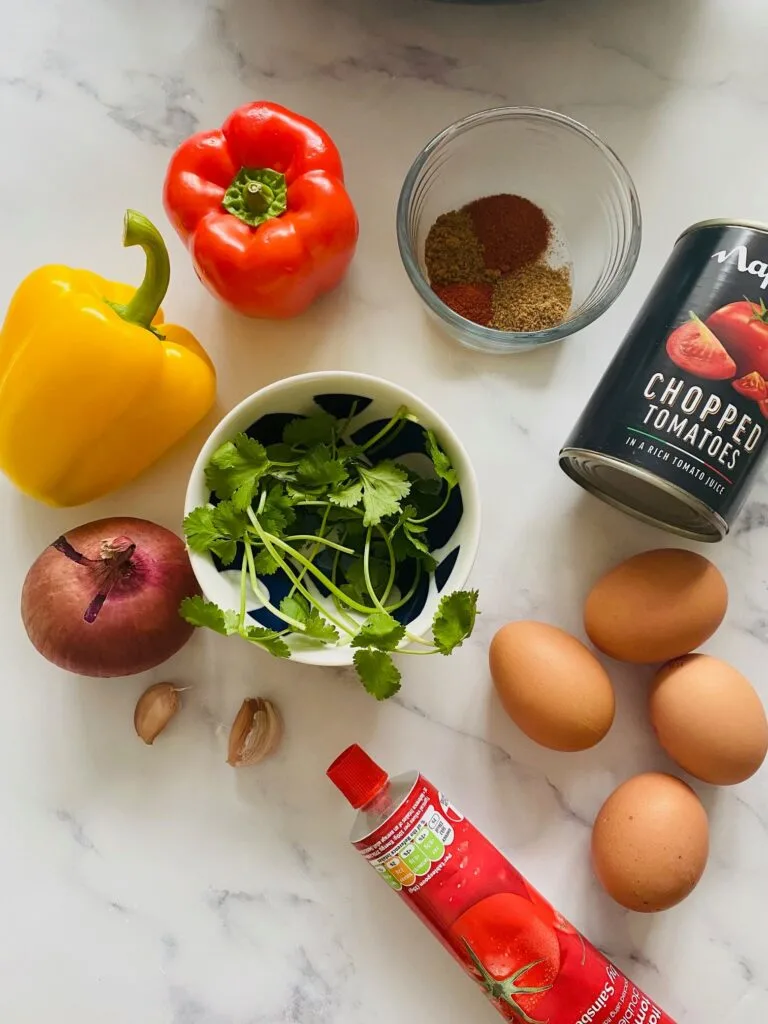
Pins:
x: 137, y: 626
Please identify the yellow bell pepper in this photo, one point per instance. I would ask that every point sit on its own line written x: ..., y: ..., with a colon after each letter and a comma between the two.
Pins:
x: 94, y: 387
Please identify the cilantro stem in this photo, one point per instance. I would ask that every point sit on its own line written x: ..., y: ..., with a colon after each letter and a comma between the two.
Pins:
x: 401, y: 412
x: 260, y: 593
x: 425, y: 519
x: 392, y: 564
x: 321, y: 540
x: 243, y: 591
x: 412, y: 590
x: 268, y: 541
x: 318, y: 575
x: 341, y: 431
x: 320, y: 535
x: 367, y: 570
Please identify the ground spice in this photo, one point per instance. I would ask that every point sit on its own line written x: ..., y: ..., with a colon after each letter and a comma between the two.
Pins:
x: 512, y: 230
x: 472, y: 301
x: 452, y: 251
x: 533, y: 298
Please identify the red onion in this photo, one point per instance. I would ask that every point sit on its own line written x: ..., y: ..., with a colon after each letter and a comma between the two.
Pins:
x: 104, y: 599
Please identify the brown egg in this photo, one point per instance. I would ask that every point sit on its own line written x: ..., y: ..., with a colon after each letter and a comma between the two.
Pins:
x: 709, y: 719
x: 650, y: 842
x: 551, y: 685
x: 656, y: 606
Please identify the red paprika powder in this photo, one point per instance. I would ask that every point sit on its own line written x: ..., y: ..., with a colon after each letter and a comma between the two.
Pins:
x: 472, y: 301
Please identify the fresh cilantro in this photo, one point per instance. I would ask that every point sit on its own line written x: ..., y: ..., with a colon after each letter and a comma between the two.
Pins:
x: 318, y: 468
x: 277, y: 513
x: 347, y: 496
x: 317, y: 483
x: 309, y: 430
x: 199, y: 612
x: 454, y: 620
x: 384, y: 486
x: 268, y: 639
x: 378, y: 673
x: 378, y: 572
x: 440, y: 460
x: 235, y: 470
x: 380, y: 630
x: 317, y: 628
x: 264, y: 563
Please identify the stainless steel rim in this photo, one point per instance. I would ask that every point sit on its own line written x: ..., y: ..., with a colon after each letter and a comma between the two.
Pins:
x: 722, y: 222
x: 570, y: 462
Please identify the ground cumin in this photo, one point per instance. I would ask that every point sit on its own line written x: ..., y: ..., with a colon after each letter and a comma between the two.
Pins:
x: 531, y: 299
x: 452, y: 251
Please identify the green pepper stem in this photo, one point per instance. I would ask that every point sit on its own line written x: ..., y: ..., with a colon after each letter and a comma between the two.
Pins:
x: 258, y: 197
x: 143, y: 307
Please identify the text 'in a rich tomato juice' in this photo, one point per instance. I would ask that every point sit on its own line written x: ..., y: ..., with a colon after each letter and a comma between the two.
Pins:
x: 533, y: 965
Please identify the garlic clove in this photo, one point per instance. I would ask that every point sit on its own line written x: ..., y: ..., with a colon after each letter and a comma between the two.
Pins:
x: 255, y: 733
x: 154, y: 710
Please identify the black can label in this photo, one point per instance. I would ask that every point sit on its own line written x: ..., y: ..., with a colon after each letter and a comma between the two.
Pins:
x: 686, y: 396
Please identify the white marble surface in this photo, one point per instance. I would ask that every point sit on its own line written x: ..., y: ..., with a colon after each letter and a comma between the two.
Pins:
x: 157, y: 884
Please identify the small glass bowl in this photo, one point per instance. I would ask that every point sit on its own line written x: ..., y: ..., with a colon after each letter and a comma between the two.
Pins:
x: 557, y: 163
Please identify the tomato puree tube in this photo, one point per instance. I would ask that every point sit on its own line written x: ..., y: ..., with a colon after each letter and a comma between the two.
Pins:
x: 531, y: 963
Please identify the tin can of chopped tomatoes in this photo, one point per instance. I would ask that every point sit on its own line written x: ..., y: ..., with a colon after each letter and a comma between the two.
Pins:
x: 676, y: 428
x: 532, y: 964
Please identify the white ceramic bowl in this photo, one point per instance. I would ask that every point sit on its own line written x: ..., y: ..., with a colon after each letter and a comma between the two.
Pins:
x: 456, y: 531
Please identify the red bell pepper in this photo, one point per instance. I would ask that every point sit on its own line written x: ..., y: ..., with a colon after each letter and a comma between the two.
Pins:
x: 262, y: 208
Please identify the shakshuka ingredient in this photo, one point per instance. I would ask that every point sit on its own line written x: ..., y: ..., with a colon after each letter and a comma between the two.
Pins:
x: 529, y: 962
x: 255, y: 734
x: 511, y: 229
x: 339, y: 521
x: 487, y: 262
x: 551, y: 686
x: 752, y: 386
x: 154, y: 710
x: 650, y: 842
x: 709, y: 719
x: 103, y: 599
x: 453, y: 253
x: 472, y: 301
x: 742, y: 327
x: 656, y: 606
x: 532, y: 298
x: 693, y: 347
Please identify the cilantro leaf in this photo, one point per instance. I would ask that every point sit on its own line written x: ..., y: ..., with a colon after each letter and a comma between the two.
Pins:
x: 264, y: 563
x: 440, y: 460
x: 295, y: 606
x: 407, y: 546
x: 215, y: 530
x: 309, y: 430
x: 235, y: 470
x: 199, y: 612
x: 200, y: 529
x: 268, y: 639
x: 347, y: 496
x: 378, y: 571
x: 277, y: 512
x: 318, y: 628
x: 378, y: 673
x: 318, y: 468
x: 380, y: 630
x: 281, y: 453
x: 454, y: 620
x: 384, y: 485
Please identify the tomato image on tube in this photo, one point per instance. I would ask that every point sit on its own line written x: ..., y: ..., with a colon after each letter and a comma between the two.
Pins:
x: 531, y: 963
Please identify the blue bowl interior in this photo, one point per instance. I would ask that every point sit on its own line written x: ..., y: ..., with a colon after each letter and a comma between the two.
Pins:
x: 406, y: 446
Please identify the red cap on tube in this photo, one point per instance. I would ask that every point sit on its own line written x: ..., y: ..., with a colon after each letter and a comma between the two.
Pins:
x: 357, y: 776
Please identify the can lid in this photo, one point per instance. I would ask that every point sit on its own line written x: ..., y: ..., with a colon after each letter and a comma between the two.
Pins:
x: 357, y: 776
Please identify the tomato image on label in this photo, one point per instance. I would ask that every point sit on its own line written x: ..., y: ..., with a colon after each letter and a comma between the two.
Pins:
x: 695, y: 348
x: 743, y: 328
x: 556, y: 920
x: 751, y: 386
x: 515, y: 953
